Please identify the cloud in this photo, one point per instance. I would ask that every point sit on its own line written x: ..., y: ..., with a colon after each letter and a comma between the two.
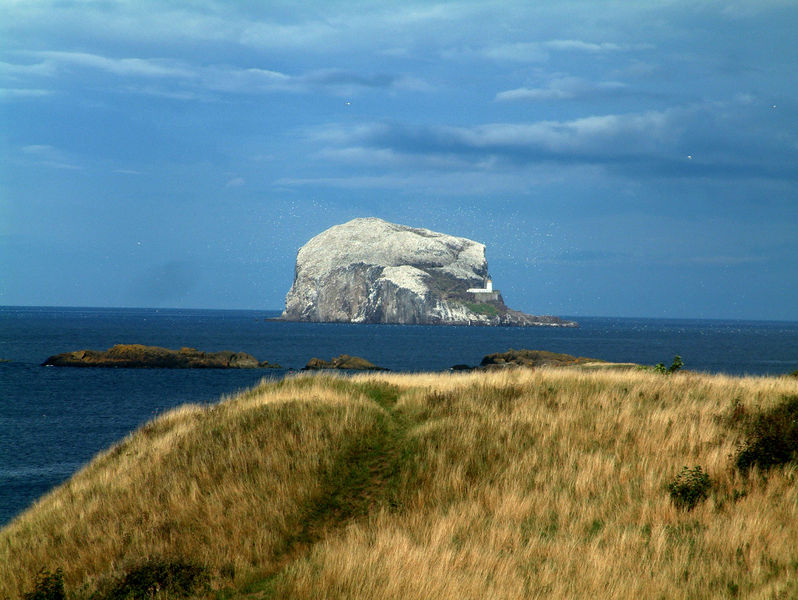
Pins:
x: 341, y: 77
x: 703, y: 140
x: 541, y: 51
x: 353, y: 182
x: 747, y: 8
x: 522, y: 51
x: 277, y: 35
x: 385, y: 157
x: 455, y: 183
x: 235, y: 182
x: 49, y: 156
x: 563, y: 88
x: 329, y: 31
x: 139, y: 67
x: 23, y: 80
x: 179, y: 79
x: 537, y: 140
x: 581, y: 46
x: 8, y: 69
x: 523, y: 93
x: 13, y: 93
x: 171, y: 94
x: 324, y: 27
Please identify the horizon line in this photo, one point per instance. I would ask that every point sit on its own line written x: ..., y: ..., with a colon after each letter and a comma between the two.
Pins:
x: 276, y: 310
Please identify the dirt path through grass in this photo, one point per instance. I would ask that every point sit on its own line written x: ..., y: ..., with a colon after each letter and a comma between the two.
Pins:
x: 364, y: 477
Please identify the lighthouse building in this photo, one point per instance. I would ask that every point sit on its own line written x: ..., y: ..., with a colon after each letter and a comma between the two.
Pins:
x: 485, y: 294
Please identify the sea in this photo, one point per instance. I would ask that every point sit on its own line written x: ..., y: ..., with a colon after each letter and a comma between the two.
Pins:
x: 53, y: 420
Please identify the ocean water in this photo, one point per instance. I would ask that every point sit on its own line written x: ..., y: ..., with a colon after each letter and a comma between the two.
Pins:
x: 53, y: 420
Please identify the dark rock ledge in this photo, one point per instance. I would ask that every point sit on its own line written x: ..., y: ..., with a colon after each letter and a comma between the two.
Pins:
x: 343, y: 362
x: 137, y: 356
x: 530, y: 358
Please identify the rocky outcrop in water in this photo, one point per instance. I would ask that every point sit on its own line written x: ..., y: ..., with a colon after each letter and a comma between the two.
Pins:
x: 539, y: 358
x: 137, y: 356
x: 343, y: 362
x: 534, y: 358
x: 371, y: 271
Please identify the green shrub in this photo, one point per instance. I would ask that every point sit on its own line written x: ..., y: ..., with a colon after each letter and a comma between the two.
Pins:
x: 156, y: 576
x: 676, y: 365
x: 689, y: 487
x: 771, y: 437
x: 49, y: 586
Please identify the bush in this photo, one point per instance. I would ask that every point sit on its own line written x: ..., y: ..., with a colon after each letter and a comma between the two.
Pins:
x: 49, y: 586
x: 689, y: 487
x: 144, y: 581
x: 771, y: 437
x: 676, y: 365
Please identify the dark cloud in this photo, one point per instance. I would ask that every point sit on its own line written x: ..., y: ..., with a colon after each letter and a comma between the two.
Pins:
x: 706, y: 140
x: 339, y: 77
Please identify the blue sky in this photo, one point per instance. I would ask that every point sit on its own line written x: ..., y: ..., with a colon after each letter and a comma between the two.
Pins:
x: 617, y: 158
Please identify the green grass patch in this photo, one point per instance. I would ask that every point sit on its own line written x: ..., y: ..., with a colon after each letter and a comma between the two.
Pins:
x: 482, y: 308
x: 365, y: 475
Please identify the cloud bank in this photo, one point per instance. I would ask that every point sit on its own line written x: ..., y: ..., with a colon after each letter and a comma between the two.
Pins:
x: 692, y: 141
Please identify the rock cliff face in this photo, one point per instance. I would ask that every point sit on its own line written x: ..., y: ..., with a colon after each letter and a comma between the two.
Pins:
x: 371, y: 271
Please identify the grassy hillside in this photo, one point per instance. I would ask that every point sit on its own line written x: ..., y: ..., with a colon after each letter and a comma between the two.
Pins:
x: 550, y: 483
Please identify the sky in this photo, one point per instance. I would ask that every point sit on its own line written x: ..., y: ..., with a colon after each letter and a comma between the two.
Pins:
x: 630, y: 159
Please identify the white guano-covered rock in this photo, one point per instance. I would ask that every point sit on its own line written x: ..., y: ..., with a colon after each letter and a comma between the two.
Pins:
x: 371, y: 271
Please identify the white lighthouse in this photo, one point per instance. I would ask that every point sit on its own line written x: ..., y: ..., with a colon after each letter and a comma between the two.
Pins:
x: 486, y: 293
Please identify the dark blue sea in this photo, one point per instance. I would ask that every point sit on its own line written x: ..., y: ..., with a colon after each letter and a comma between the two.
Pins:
x: 53, y: 420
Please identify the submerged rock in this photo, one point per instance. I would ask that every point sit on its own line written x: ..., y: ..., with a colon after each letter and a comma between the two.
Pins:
x: 343, y: 362
x: 137, y: 356
x: 371, y: 271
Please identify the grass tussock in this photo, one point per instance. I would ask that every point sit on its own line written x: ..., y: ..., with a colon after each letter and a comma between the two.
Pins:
x: 554, y: 483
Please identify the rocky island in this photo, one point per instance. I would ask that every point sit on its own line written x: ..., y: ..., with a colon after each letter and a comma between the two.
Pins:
x: 137, y: 356
x: 343, y: 362
x: 538, y: 358
x: 372, y: 271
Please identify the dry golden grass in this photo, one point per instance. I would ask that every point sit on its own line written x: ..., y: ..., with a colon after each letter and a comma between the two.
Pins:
x: 511, y: 484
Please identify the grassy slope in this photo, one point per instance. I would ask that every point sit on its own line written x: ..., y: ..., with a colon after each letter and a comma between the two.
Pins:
x: 514, y: 484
